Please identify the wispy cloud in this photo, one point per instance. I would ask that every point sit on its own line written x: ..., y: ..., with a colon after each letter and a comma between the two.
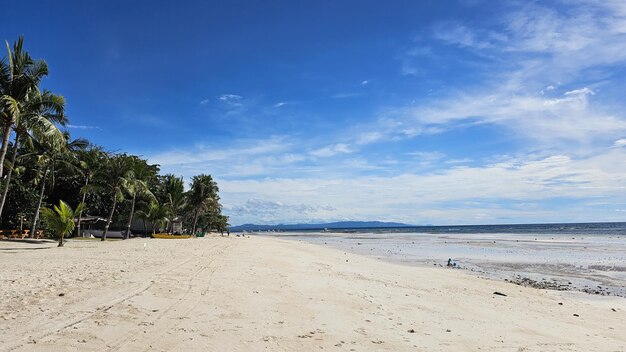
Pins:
x: 331, y: 150
x: 458, y: 34
x: 345, y: 95
x: 539, y: 52
x: 230, y: 97
x: 83, y: 127
x: 201, y: 153
x: 234, y: 100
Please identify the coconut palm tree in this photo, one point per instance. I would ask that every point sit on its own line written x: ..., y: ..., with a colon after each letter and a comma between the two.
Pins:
x: 50, y: 154
x: 61, y: 219
x: 156, y: 214
x: 90, y: 161
x: 142, y: 214
x: 38, y: 117
x: 113, y: 177
x: 202, y: 196
x: 135, y: 184
x: 20, y: 76
x: 174, y: 192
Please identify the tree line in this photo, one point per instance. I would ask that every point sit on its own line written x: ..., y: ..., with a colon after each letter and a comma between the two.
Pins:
x: 41, y: 165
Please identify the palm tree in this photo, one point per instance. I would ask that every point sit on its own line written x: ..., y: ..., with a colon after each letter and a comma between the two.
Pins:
x: 221, y: 223
x: 202, y: 197
x: 20, y: 76
x: 61, y: 219
x: 38, y: 118
x: 50, y: 154
x: 157, y: 215
x: 174, y: 190
x: 142, y: 214
x: 90, y: 162
x: 113, y: 177
x: 135, y: 184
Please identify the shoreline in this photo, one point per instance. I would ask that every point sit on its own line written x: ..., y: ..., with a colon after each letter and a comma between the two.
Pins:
x: 563, y: 263
x: 242, y: 294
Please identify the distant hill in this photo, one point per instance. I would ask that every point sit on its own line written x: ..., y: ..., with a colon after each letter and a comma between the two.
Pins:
x: 330, y: 225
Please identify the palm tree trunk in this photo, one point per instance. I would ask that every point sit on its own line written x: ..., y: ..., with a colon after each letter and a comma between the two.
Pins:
x: 36, y: 215
x: 145, y: 229
x: 195, y: 222
x: 60, y: 240
x: 80, y: 213
x: 5, y: 192
x: 106, y: 227
x: 5, y: 146
x: 130, y: 218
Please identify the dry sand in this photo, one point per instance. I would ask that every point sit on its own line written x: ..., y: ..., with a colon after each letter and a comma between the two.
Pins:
x: 252, y: 294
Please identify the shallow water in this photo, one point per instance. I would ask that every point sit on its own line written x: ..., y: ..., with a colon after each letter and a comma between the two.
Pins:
x: 593, y: 263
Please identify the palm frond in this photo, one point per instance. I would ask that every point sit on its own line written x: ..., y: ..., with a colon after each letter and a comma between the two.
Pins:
x: 43, y: 129
x: 10, y: 105
x: 10, y: 58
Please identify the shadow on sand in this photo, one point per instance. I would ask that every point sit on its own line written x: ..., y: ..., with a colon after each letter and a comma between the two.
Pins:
x: 27, y: 241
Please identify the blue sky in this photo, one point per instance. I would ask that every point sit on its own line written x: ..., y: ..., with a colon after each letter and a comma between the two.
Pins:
x: 424, y: 112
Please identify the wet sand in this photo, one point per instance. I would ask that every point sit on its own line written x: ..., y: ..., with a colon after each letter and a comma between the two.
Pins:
x: 594, y: 264
x: 252, y: 294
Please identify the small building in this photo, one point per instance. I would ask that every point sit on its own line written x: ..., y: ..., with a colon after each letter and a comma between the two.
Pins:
x: 91, y: 223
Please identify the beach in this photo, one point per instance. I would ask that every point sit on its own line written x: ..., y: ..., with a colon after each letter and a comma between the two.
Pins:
x: 583, y: 261
x: 259, y: 293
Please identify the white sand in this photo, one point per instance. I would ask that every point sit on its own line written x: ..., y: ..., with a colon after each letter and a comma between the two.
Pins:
x: 249, y: 294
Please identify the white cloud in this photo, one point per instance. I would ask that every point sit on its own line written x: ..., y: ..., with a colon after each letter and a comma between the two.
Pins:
x: 620, y: 143
x: 458, y: 34
x: 539, y: 49
x: 370, y: 137
x: 451, y: 195
x: 365, y: 82
x: 279, y: 104
x: 268, y: 212
x: 230, y: 97
x: 580, y: 92
x: 550, y: 121
x: 331, y: 150
x: 427, y: 156
x: 83, y: 127
x: 345, y: 95
x: 204, y: 101
x: 233, y: 101
x: 203, y: 154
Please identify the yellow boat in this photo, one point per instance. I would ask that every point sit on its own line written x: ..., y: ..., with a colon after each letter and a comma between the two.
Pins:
x: 170, y: 236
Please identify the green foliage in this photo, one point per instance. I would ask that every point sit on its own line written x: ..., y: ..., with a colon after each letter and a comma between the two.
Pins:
x: 22, y: 105
x: 60, y: 219
x: 156, y: 214
x: 20, y: 200
x: 202, y: 199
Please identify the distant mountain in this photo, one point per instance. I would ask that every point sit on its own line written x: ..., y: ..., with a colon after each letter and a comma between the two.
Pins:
x: 330, y: 225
